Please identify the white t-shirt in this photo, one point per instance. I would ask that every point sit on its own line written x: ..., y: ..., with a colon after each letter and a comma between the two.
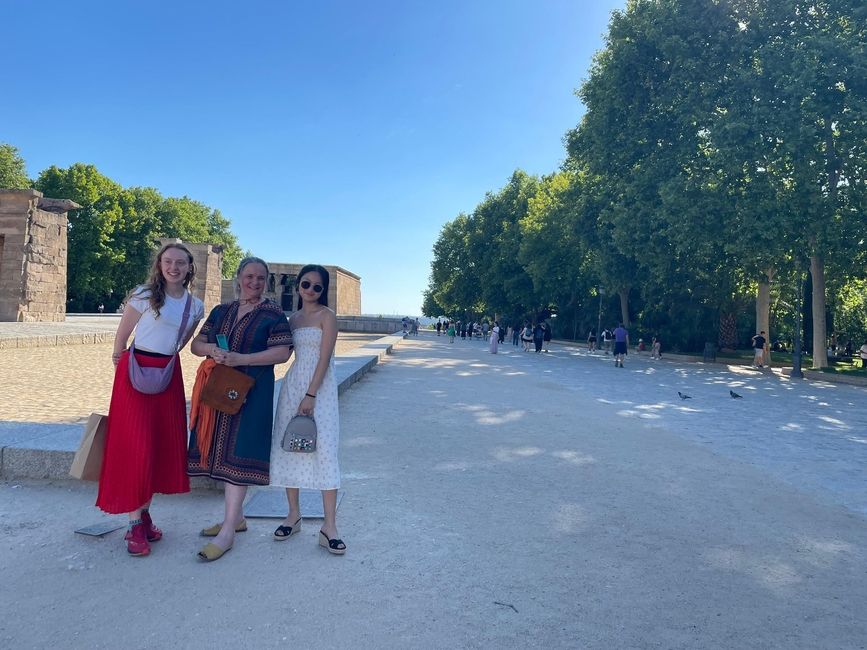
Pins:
x: 160, y: 334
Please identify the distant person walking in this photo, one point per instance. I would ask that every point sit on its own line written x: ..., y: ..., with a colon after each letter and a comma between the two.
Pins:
x: 439, y: 327
x: 470, y: 329
x: 538, y: 337
x: 621, y: 345
x: 591, y: 341
x: 606, y: 340
x: 516, y: 333
x: 495, y: 337
x: 463, y: 331
x: 527, y: 336
x: 656, y: 348
x: 451, y: 332
x: 546, y: 336
x: 145, y: 443
x: 759, y: 341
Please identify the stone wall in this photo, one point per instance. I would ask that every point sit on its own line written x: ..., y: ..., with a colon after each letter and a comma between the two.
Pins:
x: 348, y: 291
x: 33, y: 247
x: 369, y: 324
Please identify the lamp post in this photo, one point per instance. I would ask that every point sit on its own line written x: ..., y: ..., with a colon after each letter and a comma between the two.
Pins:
x: 599, y: 320
x: 797, y: 373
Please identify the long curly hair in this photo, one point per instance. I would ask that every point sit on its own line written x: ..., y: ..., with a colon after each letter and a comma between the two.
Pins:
x: 156, y: 283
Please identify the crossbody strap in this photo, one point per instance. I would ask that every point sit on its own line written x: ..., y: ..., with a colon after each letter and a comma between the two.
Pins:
x: 184, y: 319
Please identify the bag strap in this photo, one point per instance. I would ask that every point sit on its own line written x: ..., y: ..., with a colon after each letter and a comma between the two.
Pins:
x: 184, y: 319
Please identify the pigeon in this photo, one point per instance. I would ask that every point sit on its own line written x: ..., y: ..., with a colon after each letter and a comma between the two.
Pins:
x: 735, y: 395
x: 683, y: 395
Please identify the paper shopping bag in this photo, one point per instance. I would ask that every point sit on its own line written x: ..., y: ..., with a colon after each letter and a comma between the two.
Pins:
x: 88, y: 459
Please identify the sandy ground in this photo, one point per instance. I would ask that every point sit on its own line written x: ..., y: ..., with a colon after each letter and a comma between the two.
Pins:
x: 67, y: 383
x: 509, y: 501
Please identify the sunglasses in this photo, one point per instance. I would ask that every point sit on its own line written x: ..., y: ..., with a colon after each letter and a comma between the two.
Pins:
x: 306, y: 284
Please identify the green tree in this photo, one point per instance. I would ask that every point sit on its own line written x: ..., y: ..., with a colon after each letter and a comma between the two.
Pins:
x: 193, y: 221
x: 13, y: 172
x: 93, y: 258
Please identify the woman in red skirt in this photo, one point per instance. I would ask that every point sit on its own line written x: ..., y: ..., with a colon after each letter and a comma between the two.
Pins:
x: 145, y: 444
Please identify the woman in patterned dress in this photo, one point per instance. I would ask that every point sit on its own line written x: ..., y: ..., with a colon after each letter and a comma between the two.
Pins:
x: 310, y: 388
x: 235, y: 449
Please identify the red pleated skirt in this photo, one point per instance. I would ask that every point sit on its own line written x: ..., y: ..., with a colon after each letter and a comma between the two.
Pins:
x: 145, y: 441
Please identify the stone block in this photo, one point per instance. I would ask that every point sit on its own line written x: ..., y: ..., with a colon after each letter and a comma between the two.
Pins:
x: 35, y: 463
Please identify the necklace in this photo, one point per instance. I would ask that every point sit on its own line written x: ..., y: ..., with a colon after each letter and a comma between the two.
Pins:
x: 250, y: 301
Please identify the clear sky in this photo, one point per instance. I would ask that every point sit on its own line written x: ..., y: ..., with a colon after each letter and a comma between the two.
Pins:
x: 339, y: 133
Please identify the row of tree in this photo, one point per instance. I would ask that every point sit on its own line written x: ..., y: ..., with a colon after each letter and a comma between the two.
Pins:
x: 112, y: 237
x: 721, y: 160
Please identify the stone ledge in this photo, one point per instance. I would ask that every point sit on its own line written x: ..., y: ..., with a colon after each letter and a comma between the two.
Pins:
x: 45, y: 451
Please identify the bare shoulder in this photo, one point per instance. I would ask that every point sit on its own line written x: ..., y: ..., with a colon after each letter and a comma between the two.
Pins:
x: 294, y: 319
x: 327, y: 316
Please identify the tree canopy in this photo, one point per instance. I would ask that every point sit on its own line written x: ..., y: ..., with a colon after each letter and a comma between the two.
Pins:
x: 113, y: 236
x: 722, y: 155
x: 13, y: 174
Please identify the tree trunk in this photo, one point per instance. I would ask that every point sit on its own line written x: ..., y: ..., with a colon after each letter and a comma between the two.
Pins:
x: 817, y: 271
x: 624, y: 306
x: 763, y: 311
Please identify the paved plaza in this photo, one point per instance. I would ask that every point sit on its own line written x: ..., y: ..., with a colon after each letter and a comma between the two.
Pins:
x: 62, y: 384
x: 513, y: 501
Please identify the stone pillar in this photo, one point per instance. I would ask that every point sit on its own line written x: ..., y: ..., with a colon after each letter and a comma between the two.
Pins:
x: 346, y: 290
x: 33, y: 232
x: 208, y: 259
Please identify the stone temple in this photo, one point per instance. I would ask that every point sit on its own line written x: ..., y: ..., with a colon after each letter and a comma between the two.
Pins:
x: 33, y: 266
x: 344, y: 291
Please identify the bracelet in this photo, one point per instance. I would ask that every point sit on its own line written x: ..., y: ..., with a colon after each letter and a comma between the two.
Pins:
x: 309, y: 395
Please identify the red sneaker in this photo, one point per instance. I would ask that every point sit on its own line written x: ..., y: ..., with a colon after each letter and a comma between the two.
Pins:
x: 154, y: 534
x: 137, y: 541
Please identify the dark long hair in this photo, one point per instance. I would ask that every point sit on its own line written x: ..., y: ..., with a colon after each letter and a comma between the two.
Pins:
x: 323, y: 297
x: 156, y: 283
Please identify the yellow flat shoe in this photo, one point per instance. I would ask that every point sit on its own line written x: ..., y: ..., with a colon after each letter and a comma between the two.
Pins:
x: 211, y: 552
x: 213, y: 531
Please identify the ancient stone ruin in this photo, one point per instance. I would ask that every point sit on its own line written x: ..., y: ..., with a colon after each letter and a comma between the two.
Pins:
x: 33, y: 256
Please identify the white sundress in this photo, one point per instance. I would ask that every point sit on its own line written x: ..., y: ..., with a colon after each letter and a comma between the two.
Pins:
x: 320, y: 469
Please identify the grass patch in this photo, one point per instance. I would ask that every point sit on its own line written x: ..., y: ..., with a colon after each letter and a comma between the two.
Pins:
x: 845, y: 368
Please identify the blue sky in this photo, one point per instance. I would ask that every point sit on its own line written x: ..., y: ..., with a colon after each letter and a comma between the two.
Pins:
x: 340, y: 133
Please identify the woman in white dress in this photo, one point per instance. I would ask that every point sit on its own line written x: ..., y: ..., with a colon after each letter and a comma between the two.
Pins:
x: 495, y: 337
x: 309, y: 388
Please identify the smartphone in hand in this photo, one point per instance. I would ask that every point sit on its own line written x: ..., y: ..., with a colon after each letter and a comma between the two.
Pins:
x: 222, y: 342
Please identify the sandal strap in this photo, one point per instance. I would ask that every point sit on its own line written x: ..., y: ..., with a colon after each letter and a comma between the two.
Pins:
x: 285, y: 531
x: 336, y: 544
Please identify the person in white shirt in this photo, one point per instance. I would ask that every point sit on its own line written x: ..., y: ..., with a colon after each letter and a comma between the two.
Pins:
x: 146, y: 436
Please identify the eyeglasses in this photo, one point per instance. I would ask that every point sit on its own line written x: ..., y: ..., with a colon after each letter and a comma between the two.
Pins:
x: 306, y: 284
